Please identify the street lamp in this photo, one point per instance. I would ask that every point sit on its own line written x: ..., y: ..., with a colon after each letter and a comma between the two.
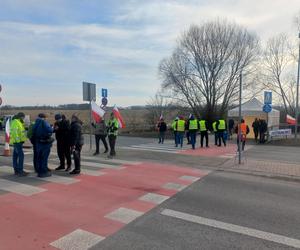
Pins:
x: 297, y: 93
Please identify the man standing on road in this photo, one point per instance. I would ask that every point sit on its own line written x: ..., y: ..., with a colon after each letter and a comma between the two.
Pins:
x: 180, y: 128
x: 221, y: 127
x: 17, y: 138
x: 243, y: 135
x: 62, y: 134
x: 162, y: 128
x: 175, y: 130
x: 214, y: 126
x: 113, y: 126
x: 100, y: 134
x: 255, y: 126
x: 192, y: 125
x: 42, y: 133
x: 203, y: 132
x: 76, y: 142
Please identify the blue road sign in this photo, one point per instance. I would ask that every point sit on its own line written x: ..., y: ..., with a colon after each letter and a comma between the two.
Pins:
x: 268, y: 97
x: 267, y: 108
x: 104, y: 93
x: 104, y: 101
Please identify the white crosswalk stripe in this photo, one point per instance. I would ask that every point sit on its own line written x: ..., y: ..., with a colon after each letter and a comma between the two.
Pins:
x: 19, y: 188
x: 167, y: 147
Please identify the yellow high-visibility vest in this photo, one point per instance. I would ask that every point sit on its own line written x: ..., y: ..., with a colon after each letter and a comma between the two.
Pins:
x: 181, y: 125
x: 222, y: 125
x: 202, y: 125
x: 193, y: 124
x: 17, y: 132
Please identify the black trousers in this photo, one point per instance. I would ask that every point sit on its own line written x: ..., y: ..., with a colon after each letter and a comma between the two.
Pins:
x: 76, y: 157
x: 262, y: 137
x: 255, y: 134
x: 64, y: 153
x: 35, y: 157
x: 103, y: 139
x: 221, y: 137
x: 204, y: 134
x: 112, y: 143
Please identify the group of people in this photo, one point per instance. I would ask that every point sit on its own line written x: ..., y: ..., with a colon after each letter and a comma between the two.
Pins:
x: 190, y: 127
x: 260, y: 128
x: 69, y: 139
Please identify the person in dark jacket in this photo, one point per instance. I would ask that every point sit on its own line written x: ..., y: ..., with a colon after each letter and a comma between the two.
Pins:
x: 42, y: 132
x: 62, y: 134
x: 100, y: 134
x: 255, y: 126
x: 162, y: 128
x: 76, y: 142
x: 263, y: 128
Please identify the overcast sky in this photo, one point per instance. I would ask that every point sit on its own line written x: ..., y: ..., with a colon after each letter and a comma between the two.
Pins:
x: 48, y: 47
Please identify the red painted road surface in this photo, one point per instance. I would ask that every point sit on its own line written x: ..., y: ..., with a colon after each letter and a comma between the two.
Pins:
x: 212, y: 151
x: 36, y: 221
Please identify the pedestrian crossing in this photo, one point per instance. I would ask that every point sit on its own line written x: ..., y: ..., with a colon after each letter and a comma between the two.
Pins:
x: 29, y: 185
x: 167, y: 147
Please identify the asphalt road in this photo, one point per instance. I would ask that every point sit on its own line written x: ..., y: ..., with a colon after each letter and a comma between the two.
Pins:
x: 270, y: 206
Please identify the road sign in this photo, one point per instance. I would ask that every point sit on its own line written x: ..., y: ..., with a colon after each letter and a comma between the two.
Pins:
x: 0, y: 101
x: 0, y: 87
x: 104, y: 101
x: 89, y: 91
x: 267, y: 108
x: 268, y: 97
x: 104, y: 93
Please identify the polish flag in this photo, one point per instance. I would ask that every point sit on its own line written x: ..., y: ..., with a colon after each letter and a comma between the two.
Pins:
x: 97, y: 112
x: 118, y: 117
x: 290, y: 120
x: 7, y: 131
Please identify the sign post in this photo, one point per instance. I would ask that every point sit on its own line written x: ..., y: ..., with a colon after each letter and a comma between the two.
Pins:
x: 239, y: 123
x: 89, y: 94
x: 297, y: 95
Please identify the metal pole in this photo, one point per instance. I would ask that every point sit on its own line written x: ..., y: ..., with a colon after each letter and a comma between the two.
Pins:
x: 297, y: 94
x: 239, y: 122
x: 90, y: 125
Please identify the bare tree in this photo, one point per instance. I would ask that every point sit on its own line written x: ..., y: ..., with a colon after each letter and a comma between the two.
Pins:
x: 204, y: 69
x: 156, y: 107
x: 279, y: 70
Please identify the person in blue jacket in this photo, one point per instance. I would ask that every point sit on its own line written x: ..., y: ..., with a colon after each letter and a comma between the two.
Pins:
x: 43, y: 137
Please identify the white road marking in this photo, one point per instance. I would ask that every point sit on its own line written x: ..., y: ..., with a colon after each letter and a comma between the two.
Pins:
x: 189, y: 178
x: 19, y: 188
x: 108, y: 161
x: 280, y: 239
x: 77, y: 240
x: 154, y: 198
x: 124, y: 215
x: 174, y: 186
x: 151, y: 150
x: 91, y: 172
x: 98, y: 165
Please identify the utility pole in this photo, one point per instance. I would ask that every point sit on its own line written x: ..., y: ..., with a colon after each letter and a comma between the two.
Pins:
x: 239, y: 123
x: 297, y: 93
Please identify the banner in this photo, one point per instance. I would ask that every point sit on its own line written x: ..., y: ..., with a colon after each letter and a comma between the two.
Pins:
x: 97, y: 112
x: 290, y: 120
x: 119, y: 117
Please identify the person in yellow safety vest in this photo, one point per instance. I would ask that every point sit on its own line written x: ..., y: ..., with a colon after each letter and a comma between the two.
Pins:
x: 180, y: 128
x: 173, y: 125
x: 244, y: 131
x: 17, y: 138
x: 203, y: 132
x: 112, y: 126
x: 221, y: 128
x: 214, y: 126
x: 193, y: 127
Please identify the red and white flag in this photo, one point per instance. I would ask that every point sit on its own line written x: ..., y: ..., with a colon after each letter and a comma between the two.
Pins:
x: 7, y: 131
x: 97, y: 112
x: 290, y: 120
x: 118, y: 117
x: 161, y: 117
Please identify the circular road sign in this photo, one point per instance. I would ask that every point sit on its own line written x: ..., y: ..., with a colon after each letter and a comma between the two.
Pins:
x: 104, y: 101
x: 0, y: 101
x: 267, y: 108
x: 0, y: 87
